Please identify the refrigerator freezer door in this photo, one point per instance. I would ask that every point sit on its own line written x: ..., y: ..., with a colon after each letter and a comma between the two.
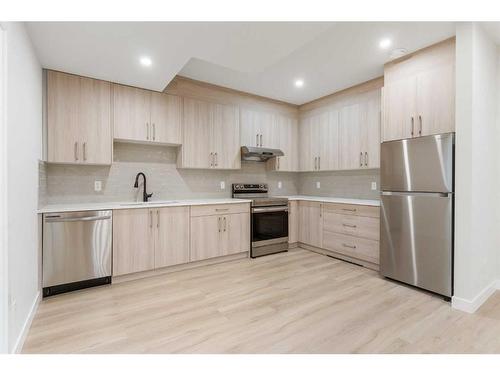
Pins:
x: 416, y: 240
x: 423, y: 164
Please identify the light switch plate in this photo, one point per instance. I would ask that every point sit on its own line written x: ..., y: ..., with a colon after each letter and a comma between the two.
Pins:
x: 280, y: 185
x: 222, y: 185
x: 97, y: 185
x: 318, y: 185
x: 374, y: 185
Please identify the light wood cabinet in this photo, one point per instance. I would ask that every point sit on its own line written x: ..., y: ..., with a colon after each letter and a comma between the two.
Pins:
x: 360, y: 133
x: 172, y: 236
x: 293, y: 222
x: 211, y: 134
x: 419, y: 93
x: 78, y: 119
x: 133, y: 241
x: 145, y: 239
x: 218, y: 235
x: 259, y: 129
x: 287, y: 129
x: 311, y: 223
x: 146, y: 116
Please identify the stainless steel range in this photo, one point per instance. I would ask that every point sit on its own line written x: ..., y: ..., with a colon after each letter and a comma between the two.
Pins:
x: 269, y: 222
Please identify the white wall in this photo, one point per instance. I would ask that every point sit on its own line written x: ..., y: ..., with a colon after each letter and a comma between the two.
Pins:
x: 477, y: 201
x: 24, y: 127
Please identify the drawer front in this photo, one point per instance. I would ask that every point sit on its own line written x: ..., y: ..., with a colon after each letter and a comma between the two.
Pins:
x: 352, y: 209
x: 220, y: 209
x: 358, y: 226
x: 359, y: 248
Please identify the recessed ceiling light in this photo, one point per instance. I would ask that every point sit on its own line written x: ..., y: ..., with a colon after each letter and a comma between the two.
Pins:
x: 299, y: 82
x: 146, y: 61
x: 385, y: 43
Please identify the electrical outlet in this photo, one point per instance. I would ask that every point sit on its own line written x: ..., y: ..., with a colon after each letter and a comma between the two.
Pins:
x: 374, y: 185
x: 97, y: 185
x: 223, y: 185
x: 318, y: 185
x: 280, y: 185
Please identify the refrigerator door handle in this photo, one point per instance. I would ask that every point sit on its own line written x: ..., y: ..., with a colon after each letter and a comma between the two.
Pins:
x: 402, y: 193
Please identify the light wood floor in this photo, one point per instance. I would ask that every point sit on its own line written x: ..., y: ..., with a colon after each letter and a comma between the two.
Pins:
x: 296, y: 302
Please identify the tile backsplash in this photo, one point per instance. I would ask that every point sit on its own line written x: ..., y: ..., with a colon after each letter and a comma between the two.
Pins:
x: 75, y: 183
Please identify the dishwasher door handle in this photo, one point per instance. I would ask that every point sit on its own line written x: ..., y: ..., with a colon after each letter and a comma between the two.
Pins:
x: 58, y: 219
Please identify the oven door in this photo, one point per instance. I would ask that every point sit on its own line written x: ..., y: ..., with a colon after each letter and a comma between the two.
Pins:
x: 269, y: 225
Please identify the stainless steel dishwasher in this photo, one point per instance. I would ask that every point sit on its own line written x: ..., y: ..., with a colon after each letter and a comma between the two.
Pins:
x: 76, y: 250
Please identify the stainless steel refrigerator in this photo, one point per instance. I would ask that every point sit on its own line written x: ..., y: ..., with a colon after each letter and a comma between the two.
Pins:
x: 416, y: 239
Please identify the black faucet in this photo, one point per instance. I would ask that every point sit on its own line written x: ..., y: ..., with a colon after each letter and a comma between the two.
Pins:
x: 145, y: 195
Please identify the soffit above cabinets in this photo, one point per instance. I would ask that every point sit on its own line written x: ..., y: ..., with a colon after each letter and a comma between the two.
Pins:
x: 259, y: 58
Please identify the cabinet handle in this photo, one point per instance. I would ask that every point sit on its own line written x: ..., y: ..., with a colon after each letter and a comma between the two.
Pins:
x: 366, y: 159
x: 349, y: 209
x: 261, y: 140
x: 215, y: 160
x: 225, y: 223
x: 319, y: 163
x: 157, y: 218
x: 420, y: 119
x: 360, y: 159
x: 257, y: 140
x: 84, y: 151
x: 154, y: 132
x: 412, y: 124
x: 278, y: 162
x: 349, y: 246
x: 151, y: 219
x: 211, y: 159
x: 349, y: 225
x: 147, y: 131
x: 221, y: 209
x: 76, y: 151
x: 218, y: 223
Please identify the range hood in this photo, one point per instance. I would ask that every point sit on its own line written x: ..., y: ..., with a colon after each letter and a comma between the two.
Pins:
x: 259, y: 153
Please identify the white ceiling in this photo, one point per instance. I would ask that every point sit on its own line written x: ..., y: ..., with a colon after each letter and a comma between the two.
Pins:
x: 259, y: 58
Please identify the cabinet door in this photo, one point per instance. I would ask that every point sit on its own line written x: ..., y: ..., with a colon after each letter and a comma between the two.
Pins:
x: 399, y: 109
x: 132, y: 114
x: 370, y: 130
x: 205, y: 237
x: 306, y: 154
x: 250, y: 127
x: 436, y: 101
x: 351, y: 155
x: 172, y: 236
x: 328, y: 141
x: 288, y: 143
x: 310, y: 228
x: 197, y: 134
x: 293, y: 221
x: 95, y: 121
x: 269, y: 131
x: 225, y: 137
x: 63, y: 131
x: 235, y: 234
x: 133, y: 245
x: 166, y: 118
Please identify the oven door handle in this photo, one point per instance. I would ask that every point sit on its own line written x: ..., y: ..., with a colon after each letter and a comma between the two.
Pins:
x: 269, y: 209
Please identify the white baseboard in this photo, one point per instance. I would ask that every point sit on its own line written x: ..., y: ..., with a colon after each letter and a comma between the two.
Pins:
x: 18, y: 346
x: 471, y: 306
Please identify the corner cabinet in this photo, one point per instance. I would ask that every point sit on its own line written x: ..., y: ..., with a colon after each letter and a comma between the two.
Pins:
x: 287, y: 135
x: 78, y: 119
x: 419, y: 93
x: 146, y: 239
x: 146, y: 116
x: 211, y: 136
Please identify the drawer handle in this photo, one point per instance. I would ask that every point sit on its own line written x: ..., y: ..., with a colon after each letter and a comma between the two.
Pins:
x: 222, y: 209
x: 349, y: 209
x: 350, y: 225
x: 349, y: 246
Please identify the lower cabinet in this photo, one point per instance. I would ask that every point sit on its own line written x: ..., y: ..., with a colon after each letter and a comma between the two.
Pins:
x: 214, y: 235
x: 145, y: 239
x: 310, y: 223
x: 293, y: 222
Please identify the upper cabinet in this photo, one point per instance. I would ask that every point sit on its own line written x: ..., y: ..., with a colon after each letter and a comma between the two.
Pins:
x: 78, y: 119
x: 211, y: 136
x: 419, y: 93
x: 343, y: 135
x: 146, y: 116
x: 259, y: 129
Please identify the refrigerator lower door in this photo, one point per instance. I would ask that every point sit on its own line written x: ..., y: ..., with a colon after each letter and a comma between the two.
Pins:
x: 416, y: 239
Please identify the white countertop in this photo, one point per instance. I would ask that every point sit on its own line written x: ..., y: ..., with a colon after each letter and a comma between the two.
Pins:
x: 69, y: 207
x: 362, y: 202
